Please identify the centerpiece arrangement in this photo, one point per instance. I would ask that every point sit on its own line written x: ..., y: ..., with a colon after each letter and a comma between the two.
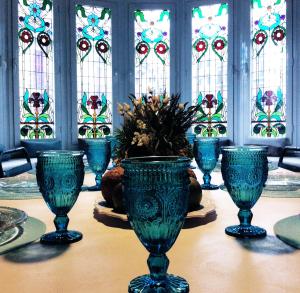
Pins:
x: 153, y: 126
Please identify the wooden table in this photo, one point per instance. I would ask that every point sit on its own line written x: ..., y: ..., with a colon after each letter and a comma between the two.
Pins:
x: 107, y: 258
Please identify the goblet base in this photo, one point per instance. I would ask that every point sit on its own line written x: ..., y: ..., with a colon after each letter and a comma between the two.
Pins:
x: 209, y: 186
x: 171, y: 284
x: 94, y: 188
x: 245, y: 231
x: 63, y: 237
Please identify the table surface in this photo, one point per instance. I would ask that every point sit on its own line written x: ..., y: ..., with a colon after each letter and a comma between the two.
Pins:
x: 108, y: 257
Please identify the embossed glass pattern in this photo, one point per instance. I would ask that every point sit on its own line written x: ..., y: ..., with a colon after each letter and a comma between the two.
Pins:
x: 60, y: 175
x: 156, y: 195
x: 206, y: 152
x: 245, y: 171
x: 98, y: 155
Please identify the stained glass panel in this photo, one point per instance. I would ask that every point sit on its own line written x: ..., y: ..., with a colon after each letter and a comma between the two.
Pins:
x: 152, y: 52
x: 36, y: 65
x: 268, y: 70
x: 94, y: 71
x: 209, y: 68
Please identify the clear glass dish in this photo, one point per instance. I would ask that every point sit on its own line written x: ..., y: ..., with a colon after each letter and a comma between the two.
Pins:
x: 10, y: 218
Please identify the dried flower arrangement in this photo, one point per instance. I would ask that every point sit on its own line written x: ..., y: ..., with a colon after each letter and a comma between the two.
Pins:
x: 154, y: 126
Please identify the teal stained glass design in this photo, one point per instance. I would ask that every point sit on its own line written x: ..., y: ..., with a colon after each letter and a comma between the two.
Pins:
x: 209, y: 68
x: 268, y: 68
x: 94, y: 71
x: 36, y: 67
x: 152, y: 52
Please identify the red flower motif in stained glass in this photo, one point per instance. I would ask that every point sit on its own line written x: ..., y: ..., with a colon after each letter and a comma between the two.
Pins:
x: 278, y: 34
x: 219, y: 44
x: 142, y: 49
x: 260, y: 38
x: 200, y: 46
x: 84, y: 45
x: 269, y: 98
x: 102, y: 47
x: 209, y: 101
x: 161, y: 49
x: 94, y: 101
x: 36, y: 99
x: 44, y: 39
x: 26, y: 37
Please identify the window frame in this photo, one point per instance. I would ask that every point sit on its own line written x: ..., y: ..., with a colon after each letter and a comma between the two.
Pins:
x: 73, y: 61
x: 153, y: 5
x: 123, y: 65
x: 245, y: 90
x: 57, y: 72
x: 187, y: 82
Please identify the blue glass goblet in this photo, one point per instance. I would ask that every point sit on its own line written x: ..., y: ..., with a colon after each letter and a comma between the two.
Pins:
x: 190, y: 137
x: 156, y: 191
x: 206, y: 152
x: 98, y: 155
x: 60, y: 176
x: 113, y: 145
x: 245, y: 171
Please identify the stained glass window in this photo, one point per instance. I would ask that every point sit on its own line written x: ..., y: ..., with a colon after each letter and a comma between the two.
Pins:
x: 36, y: 65
x: 152, y: 52
x: 209, y: 68
x: 268, y: 70
x: 94, y: 71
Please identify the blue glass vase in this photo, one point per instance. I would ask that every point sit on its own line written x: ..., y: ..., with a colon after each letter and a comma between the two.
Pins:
x: 245, y: 171
x: 156, y: 191
x: 60, y: 176
x: 206, y: 152
x: 98, y: 153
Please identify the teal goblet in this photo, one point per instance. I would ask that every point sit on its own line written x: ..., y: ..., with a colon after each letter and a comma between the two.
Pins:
x: 113, y: 145
x: 190, y: 137
x: 206, y: 152
x: 156, y: 191
x: 98, y: 156
x: 60, y: 176
x: 245, y: 171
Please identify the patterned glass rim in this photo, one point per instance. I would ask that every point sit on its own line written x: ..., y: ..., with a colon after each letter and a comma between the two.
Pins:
x: 59, y: 153
x: 154, y: 160
x: 207, y: 139
x: 241, y: 149
x: 96, y: 141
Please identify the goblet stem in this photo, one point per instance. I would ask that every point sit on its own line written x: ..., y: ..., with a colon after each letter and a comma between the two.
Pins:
x: 98, y: 180
x: 61, y: 223
x: 158, y: 265
x: 96, y: 187
x: 61, y: 235
x: 245, y: 217
x: 206, y: 179
x: 207, y: 185
x: 245, y: 229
